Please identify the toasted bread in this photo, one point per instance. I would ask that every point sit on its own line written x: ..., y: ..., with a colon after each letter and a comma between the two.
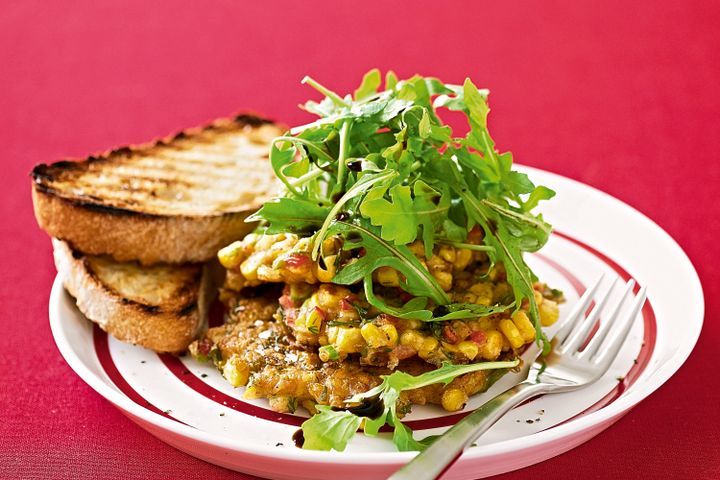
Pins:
x: 161, y: 307
x: 176, y: 200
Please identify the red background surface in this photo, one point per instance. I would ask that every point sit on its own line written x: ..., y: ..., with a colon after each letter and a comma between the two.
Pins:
x: 620, y: 95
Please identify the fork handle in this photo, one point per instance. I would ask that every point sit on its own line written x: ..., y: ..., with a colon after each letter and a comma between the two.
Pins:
x: 432, y: 462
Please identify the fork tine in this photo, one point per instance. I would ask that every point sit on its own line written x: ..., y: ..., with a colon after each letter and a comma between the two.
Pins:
x: 607, y: 322
x: 611, y: 346
x: 581, y: 330
x: 576, y: 314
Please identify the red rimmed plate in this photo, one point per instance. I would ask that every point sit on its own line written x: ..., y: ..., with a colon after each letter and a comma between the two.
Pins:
x: 191, y: 407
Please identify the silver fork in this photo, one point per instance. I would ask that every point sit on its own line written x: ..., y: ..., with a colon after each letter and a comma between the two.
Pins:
x: 567, y: 367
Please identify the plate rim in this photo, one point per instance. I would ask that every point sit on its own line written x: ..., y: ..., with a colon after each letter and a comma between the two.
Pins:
x: 576, y: 426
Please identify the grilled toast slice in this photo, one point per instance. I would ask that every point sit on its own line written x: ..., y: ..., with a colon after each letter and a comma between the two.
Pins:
x: 160, y: 307
x: 176, y: 200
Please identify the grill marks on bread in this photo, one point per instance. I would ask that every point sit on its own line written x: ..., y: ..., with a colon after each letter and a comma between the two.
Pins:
x: 220, y: 169
x: 177, y: 200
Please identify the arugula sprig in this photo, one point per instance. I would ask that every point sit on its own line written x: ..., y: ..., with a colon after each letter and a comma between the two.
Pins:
x: 380, y: 169
x: 332, y: 429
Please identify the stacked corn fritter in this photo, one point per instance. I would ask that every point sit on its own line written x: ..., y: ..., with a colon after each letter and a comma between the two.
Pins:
x: 395, y: 246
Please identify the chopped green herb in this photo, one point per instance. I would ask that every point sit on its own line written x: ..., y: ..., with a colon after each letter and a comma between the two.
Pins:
x: 557, y: 294
x: 292, y: 404
x: 215, y: 355
x: 329, y: 352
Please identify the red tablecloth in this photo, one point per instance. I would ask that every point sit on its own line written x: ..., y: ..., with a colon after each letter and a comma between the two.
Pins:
x: 624, y: 96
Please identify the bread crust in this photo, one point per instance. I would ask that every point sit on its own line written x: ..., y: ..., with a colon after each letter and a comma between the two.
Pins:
x: 164, y: 328
x: 94, y: 226
x: 126, y: 236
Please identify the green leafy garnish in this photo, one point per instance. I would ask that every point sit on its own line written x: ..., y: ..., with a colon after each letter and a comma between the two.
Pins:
x: 329, y: 429
x: 406, y: 212
x: 381, y: 170
x: 332, y: 429
x: 382, y: 253
x: 292, y: 214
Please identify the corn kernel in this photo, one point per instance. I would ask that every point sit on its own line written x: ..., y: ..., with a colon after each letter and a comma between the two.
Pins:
x: 349, y: 340
x: 549, y: 312
x: 391, y: 334
x: 436, y: 263
x: 447, y: 253
x: 232, y: 255
x: 411, y: 338
x: 463, y: 257
x: 236, y: 372
x: 388, y: 277
x: 469, y: 349
x: 453, y: 399
x: 487, y: 323
x: 491, y: 348
x: 251, y: 393
x: 444, y: 279
x: 328, y: 297
x: 332, y: 334
x: 427, y: 347
x: 508, y: 328
x: 374, y: 337
x: 524, y: 326
x: 249, y: 267
x: 484, y: 292
x: 538, y: 297
x: 468, y: 298
x: 264, y: 242
x: 326, y: 274
x: 329, y: 246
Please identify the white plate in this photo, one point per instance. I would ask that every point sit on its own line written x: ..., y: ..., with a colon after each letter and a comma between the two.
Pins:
x: 190, y: 406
